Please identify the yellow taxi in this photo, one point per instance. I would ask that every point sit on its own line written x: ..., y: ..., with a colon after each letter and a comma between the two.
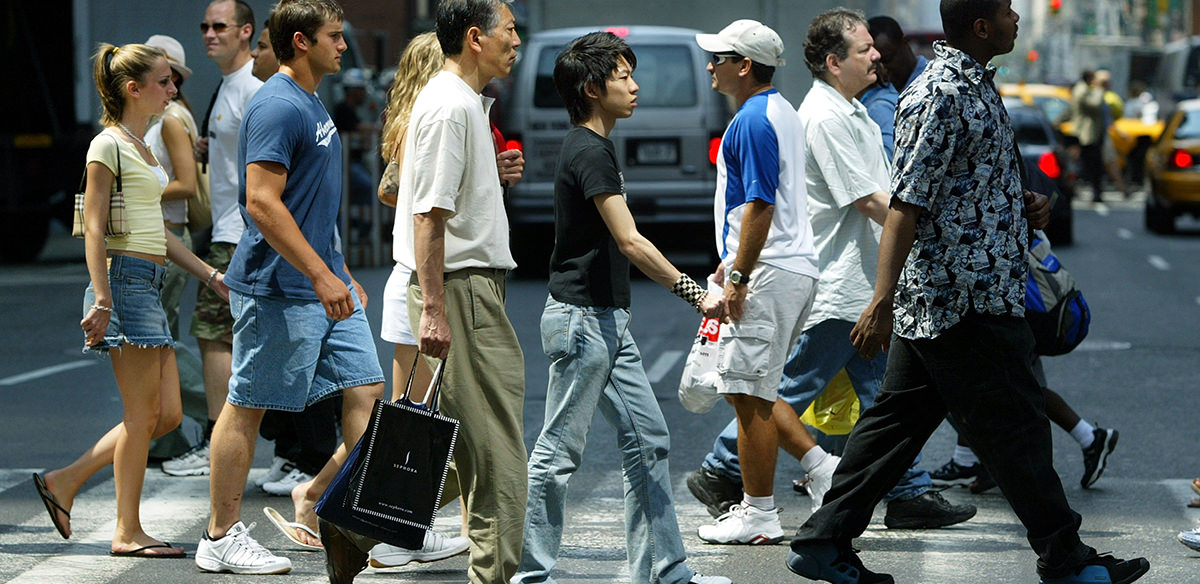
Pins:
x: 1173, y: 169
x: 1055, y: 101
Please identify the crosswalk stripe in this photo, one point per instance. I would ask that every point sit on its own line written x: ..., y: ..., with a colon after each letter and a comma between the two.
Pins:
x: 11, y: 477
x: 169, y: 500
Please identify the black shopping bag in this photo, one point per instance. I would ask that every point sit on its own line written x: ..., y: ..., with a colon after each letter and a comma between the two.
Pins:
x: 391, y: 484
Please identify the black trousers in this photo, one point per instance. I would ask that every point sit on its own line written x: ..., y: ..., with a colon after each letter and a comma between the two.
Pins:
x: 1092, y: 159
x: 979, y: 372
x: 307, y: 438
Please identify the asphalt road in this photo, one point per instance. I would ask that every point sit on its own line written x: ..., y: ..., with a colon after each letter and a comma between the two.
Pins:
x: 1137, y: 372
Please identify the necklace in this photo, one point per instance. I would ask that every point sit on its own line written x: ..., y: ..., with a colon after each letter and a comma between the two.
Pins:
x: 134, y: 138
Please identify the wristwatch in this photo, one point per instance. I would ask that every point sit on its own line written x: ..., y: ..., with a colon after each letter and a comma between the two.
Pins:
x: 738, y: 278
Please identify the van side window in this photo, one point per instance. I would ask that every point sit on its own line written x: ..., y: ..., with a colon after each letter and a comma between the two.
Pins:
x: 666, y: 77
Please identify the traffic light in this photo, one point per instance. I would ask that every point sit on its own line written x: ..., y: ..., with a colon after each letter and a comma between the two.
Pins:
x: 1055, y: 7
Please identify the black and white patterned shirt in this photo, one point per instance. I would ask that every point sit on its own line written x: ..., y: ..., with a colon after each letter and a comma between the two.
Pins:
x: 955, y: 157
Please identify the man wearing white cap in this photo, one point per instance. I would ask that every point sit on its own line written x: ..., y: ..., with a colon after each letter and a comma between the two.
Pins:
x: 766, y: 247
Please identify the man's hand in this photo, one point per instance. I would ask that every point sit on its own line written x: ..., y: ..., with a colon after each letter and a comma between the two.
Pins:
x: 874, y: 329
x: 218, y: 285
x: 200, y: 150
x: 362, y: 292
x: 712, y: 306
x: 334, y: 296
x: 434, y: 336
x: 1037, y: 209
x: 735, y: 301
x: 511, y: 164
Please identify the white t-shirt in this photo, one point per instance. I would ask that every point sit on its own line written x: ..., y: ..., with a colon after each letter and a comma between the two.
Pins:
x: 223, y: 125
x: 173, y: 211
x: 844, y: 162
x: 450, y: 163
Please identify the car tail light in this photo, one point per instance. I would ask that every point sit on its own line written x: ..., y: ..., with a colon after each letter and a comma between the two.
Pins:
x: 1182, y: 159
x: 714, y: 146
x: 514, y: 145
x: 1048, y: 163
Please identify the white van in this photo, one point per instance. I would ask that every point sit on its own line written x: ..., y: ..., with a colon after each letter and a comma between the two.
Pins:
x: 667, y: 150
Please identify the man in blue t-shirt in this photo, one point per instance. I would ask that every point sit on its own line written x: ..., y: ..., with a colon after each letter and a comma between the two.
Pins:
x: 300, y: 334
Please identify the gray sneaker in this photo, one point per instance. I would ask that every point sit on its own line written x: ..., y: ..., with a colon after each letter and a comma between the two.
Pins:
x: 239, y: 553
x: 192, y: 463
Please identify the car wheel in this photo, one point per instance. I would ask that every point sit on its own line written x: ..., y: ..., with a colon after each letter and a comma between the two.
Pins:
x: 1158, y: 219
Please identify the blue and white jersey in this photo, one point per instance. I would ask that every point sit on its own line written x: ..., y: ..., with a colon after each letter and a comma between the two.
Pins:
x: 762, y: 157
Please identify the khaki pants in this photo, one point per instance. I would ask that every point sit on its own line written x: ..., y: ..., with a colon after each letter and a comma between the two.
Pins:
x: 484, y: 388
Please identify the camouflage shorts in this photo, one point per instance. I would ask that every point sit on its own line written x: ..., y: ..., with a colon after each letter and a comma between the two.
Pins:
x: 212, y: 320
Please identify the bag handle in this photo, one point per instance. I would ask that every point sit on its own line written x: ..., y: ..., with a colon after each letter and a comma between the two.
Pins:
x: 83, y: 179
x: 435, y: 385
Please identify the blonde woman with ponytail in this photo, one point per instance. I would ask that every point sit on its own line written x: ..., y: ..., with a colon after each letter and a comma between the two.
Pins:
x: 122, y: 310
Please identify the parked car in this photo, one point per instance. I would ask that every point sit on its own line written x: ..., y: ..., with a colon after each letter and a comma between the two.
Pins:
x: 1049, y: 168
x: 1173, y: 169
x: 667, y: 150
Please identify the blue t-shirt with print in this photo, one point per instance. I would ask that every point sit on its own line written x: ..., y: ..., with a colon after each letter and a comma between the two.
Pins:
x: 286, y: 125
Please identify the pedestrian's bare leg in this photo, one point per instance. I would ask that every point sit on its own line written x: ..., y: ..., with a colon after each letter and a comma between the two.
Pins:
x: 231, y: 453
x: 758, y: 444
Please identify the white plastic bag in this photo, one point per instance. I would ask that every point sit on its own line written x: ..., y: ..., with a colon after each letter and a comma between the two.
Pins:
x: 699, y: 382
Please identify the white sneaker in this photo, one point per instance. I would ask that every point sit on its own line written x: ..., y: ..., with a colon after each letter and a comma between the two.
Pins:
x: 239, y: 553
x: 436, y: 547
x: 699, y: 578
x: 283, y: 487
x: 1190, y: 538
x: 189, y: 464
x: 276, y: 472
x: 744, y: 524
x: 821, y: 478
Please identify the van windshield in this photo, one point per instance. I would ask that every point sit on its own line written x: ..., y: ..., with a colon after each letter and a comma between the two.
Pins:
x: 666, y: 77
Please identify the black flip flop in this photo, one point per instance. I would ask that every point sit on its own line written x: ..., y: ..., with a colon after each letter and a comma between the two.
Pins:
x: 52, y: 506
x: 141, y: 552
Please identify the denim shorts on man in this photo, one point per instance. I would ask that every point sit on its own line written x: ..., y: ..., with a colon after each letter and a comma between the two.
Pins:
x: 212, y: 320
x: 287, y: 353
x: 137, y: 317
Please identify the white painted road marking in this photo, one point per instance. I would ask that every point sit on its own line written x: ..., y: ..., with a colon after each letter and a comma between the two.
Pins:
x: 1158, y: 263
x: 1124, y: 233
x: 45, y: 372
x: 663, y: 365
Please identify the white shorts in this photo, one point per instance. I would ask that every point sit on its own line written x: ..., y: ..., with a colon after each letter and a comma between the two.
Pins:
x: 753, y: 350
x: 396, y: 327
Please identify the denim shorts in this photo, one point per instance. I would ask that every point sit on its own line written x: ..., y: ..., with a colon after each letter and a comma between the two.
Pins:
x: 137, y: 317
x: 288, y: 354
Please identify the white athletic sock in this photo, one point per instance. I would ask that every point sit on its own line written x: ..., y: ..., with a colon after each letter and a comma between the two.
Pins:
x: 812, y: 458
x: 1083, y: 433
x: 964, y: 456
x: 761, y: 503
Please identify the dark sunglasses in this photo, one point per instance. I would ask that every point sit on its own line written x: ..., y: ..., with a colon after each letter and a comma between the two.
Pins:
x: 720, y: 58
x: 218, y: 27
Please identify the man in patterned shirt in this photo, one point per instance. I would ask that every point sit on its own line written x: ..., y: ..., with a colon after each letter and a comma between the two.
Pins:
x: 952, y: 255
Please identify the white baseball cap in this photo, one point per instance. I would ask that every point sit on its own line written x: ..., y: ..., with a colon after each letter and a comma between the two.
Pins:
x: 748, y: 38
x: 175, y: 55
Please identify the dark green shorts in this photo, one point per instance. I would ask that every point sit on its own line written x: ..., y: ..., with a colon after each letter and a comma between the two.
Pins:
x: 212, y: 320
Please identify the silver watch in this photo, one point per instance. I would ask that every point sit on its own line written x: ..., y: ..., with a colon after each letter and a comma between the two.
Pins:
x: 738, y: 278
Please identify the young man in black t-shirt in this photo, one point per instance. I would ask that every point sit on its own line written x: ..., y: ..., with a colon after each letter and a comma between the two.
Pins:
x: 595, y: 364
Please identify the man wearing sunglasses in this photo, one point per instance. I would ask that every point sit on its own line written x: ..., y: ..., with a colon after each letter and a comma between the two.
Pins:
x: 227, y: 28
x: 768, y: 265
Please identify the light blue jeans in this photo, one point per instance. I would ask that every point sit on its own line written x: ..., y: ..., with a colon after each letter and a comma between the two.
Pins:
x: 595, y: 365
x: 821, y: 352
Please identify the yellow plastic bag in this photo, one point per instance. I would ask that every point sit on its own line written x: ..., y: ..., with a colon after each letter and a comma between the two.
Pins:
x: 835, y: 411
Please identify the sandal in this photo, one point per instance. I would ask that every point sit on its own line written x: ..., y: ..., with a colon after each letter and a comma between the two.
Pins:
x: 52, y: 506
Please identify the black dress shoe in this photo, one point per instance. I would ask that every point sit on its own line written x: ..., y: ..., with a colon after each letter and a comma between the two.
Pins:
x: 343, y: 559
x: 928, y: 511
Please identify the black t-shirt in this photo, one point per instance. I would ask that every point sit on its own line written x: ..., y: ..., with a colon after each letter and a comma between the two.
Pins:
x: 586, y: 267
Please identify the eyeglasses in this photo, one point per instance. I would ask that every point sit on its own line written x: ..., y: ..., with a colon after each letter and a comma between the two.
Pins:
x: 721, y: 58
x: 217, y: 27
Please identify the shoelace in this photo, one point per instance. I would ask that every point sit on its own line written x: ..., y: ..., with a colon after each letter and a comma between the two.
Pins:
x: 245, y: 548
x: 194, y: 453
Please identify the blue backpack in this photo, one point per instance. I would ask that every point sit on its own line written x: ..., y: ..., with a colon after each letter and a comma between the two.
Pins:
x: 1054, y: 307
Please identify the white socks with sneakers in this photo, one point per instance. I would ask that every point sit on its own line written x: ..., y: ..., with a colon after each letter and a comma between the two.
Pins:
x: 761, y: 503
x: 1083, y: 433
x: 812, y: 458
x: 964, y: 456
